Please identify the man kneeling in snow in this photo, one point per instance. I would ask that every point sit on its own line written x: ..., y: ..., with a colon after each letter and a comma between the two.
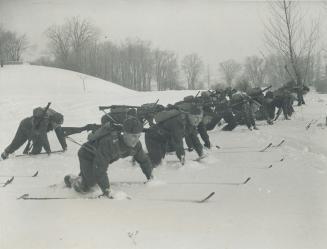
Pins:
x: 34, y: 129
x: 105, y: 147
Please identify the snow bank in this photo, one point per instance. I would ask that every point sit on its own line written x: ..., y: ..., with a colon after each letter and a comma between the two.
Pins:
x: 283, y: 206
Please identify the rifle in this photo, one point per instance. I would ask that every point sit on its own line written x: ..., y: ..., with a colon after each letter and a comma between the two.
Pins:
x: 37, y: 125
x: 265, y: 89
x: 101, y: 108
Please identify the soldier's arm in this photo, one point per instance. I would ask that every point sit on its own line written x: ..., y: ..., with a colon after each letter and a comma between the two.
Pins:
x: 143, y: 160
x: 41, y: 134
x: 101, y: 162
x: 177, y: 139
x: 61, y: 137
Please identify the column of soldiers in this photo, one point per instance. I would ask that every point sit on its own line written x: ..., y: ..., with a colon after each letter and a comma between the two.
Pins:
x: 165, y: 129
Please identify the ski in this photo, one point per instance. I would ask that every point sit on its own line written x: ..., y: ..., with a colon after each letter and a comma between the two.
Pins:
x: 230, y: 149
x: 8, y: 182
x: 280, y: 144
x: 207, y: 198
x: 28, y: 197
x: 34, y: 175
x: 41, y: 153
x: 188, y: 183
x: 313, y: 121
x: 213, y: 183
x: 265, y: 148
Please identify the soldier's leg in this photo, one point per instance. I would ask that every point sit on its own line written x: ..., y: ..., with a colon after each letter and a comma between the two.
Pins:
x: 204, y: 134
x: 214, y: 121
x: 189, y: 142
x: 87, y: 171
x: 154, y: 148
x: 37, y: 148
x: 19, y: 139
x: 230, y: 120
x: 196, y: 144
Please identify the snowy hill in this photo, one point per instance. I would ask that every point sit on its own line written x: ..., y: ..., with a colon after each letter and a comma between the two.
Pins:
x: 283, y: 206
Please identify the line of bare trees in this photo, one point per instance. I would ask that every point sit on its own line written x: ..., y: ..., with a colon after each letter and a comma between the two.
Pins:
x: 293, y: 54
x: 76, y: 45
x: 12, y: 46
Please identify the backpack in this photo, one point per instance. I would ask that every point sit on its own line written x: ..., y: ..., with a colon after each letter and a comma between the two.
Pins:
x: 165, y: 115
x: 51, y: 114
x: 254, y: 92
x: 184, y: 106
x: 189, y: 98
x: 104, y: 130
x: 55, y: 117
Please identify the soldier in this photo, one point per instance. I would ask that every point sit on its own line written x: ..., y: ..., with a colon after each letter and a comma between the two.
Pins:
x: 222, y: 110
x: 282, y: 99
x: 259, y: 104
x: 241, y: 106
x: 166, y: 136
x: 35, y: 129
x: 105, y: 147
x: 194, y: 119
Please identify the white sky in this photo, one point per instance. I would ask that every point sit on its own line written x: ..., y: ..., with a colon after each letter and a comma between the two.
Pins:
x: 216, y: 30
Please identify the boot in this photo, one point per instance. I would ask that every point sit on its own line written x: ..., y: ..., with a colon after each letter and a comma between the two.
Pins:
x: 4, y: 155
x: 68, y: 180
x: 78, y: 185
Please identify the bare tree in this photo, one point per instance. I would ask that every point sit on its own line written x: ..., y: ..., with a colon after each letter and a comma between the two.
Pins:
x: 286, y: 33
x: 229, y: 70
x: 165, y: 69
x: 192, y: 66
x: 82, y: 34
x: 275, y: 70
x: 12, y: 45
x: 255, y: 70
x: 59, y: 44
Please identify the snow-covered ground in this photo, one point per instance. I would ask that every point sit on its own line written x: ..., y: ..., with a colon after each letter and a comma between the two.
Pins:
x: 282, y: 206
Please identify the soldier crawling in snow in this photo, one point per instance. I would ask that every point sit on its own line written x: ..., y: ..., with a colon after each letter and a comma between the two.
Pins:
x: 105, y: 147
x: 34, y: 129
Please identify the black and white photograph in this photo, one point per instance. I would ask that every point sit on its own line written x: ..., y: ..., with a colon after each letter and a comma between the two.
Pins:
x: 163, y: 124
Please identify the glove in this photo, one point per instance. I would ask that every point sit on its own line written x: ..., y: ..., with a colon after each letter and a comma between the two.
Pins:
x: 106, y: 194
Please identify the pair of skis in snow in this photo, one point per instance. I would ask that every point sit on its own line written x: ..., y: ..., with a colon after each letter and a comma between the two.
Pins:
x: 11, y: 179
x: 28, y: 197
x: 206, y: 198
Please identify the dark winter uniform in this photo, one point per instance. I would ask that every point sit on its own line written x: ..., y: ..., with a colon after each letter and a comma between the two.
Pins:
x: 105, y: 147
x: 166, y: 136
x: 241, y: 106
x: 95, y: 157
x: 283, y: 100
x: 208, y: 114
x: 259, y: 104
x: 222, y: 111
x: 35, y: 128
x: 194, y: 119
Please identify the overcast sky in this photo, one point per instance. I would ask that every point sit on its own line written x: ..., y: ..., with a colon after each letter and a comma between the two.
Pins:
x: 216, y: 30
